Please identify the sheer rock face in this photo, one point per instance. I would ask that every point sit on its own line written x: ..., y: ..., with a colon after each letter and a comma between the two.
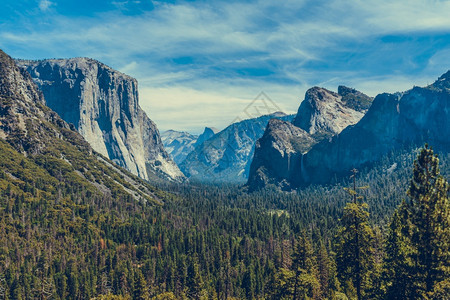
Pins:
x: 392, y: 122
x: 226, y: 156
x: 279, y: 154
x: 40, y: 134
x: 103, y: 106
x: 324, y: 112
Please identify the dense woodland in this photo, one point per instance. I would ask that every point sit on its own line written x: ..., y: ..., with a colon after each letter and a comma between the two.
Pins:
x: 382, y: 234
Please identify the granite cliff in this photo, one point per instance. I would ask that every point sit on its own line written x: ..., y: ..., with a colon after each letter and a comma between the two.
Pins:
x: 102, y: 104
x: 226, y: 156
x: 322, y: 115
x: 393, y: 122
x: 40, y: 150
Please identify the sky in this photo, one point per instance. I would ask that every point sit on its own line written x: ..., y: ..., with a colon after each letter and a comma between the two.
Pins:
x: 202, y: 63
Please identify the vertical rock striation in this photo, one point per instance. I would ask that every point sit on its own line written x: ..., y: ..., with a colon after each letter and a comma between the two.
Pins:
x: 102, y: 104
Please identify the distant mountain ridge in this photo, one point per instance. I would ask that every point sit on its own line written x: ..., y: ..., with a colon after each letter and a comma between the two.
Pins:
x: 392, y: 122
x: 102, y: 104
x: 226, y: 156
x: 180, y: 143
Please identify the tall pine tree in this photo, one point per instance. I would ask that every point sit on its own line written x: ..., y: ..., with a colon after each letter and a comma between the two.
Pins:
x: 398, y: 264
x: 355, y: 246
x: 306, y: 284
x: 420, y: 234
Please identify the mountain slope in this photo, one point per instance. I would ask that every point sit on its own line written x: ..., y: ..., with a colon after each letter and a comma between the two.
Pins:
x: 320, y: 116
x: 102, y: 104
x: 51, y: 154
x: 226, y: 156
x: 393, y: 122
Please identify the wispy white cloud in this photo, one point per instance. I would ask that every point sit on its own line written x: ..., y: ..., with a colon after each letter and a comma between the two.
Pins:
x: 185, y: 108
x: 44, y: 5
x: 211, y: 51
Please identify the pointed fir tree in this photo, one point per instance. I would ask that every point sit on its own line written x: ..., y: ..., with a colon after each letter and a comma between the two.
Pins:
x: 306, y: 284
x: 249, y: 282
x: 398, y: 264
x: 430, y: 218
x: 354, y: 257
x: 140, y: 291
x: 195, y: 281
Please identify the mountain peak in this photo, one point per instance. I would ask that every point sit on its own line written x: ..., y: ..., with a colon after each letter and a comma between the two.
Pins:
x: 326, y: 113
x: 277, y: 114
x: 76, y: 64
x: 208, y: 133
x: 316, y: 93
x: 445, y: 76
x: 209, y: 130
x: 354, y: 98
x: 443, y: 82
x: 15, y: 82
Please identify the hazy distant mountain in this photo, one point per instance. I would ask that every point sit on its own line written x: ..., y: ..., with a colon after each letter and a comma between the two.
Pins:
x: 226, y: 156
x: 393, y: 122
x: 102, y: 104
x: 180, y: 143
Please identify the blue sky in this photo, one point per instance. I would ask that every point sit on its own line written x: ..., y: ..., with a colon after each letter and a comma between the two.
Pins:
x: 202, y: 62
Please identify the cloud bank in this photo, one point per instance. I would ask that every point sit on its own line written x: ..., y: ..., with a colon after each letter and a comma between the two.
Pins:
x: 199, y: 62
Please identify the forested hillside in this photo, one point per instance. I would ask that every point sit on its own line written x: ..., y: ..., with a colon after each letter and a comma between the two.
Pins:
x: 206, y: 242
x: 75, y: 226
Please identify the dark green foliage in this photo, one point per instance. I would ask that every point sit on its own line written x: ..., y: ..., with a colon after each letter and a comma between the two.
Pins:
x: 354, y: 99
x: 355, y: 260
x: 398, y: 263
x: 306, y: 284
x: 61, y: 233
x: 418, y: 250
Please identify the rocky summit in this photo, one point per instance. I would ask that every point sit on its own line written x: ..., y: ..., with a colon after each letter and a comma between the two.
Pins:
x: 102, y: 104
x: 323, y: 114
x: 349, y: 137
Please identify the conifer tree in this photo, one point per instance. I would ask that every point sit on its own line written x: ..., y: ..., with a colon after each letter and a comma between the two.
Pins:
x: 306, y: 284
x: 195, y: 281
x: 398, y: 262
x: 327, y: 276
x: 429, y: 209
x: 140, y: 291
x: 249, y: 282
x: 354, y: 247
